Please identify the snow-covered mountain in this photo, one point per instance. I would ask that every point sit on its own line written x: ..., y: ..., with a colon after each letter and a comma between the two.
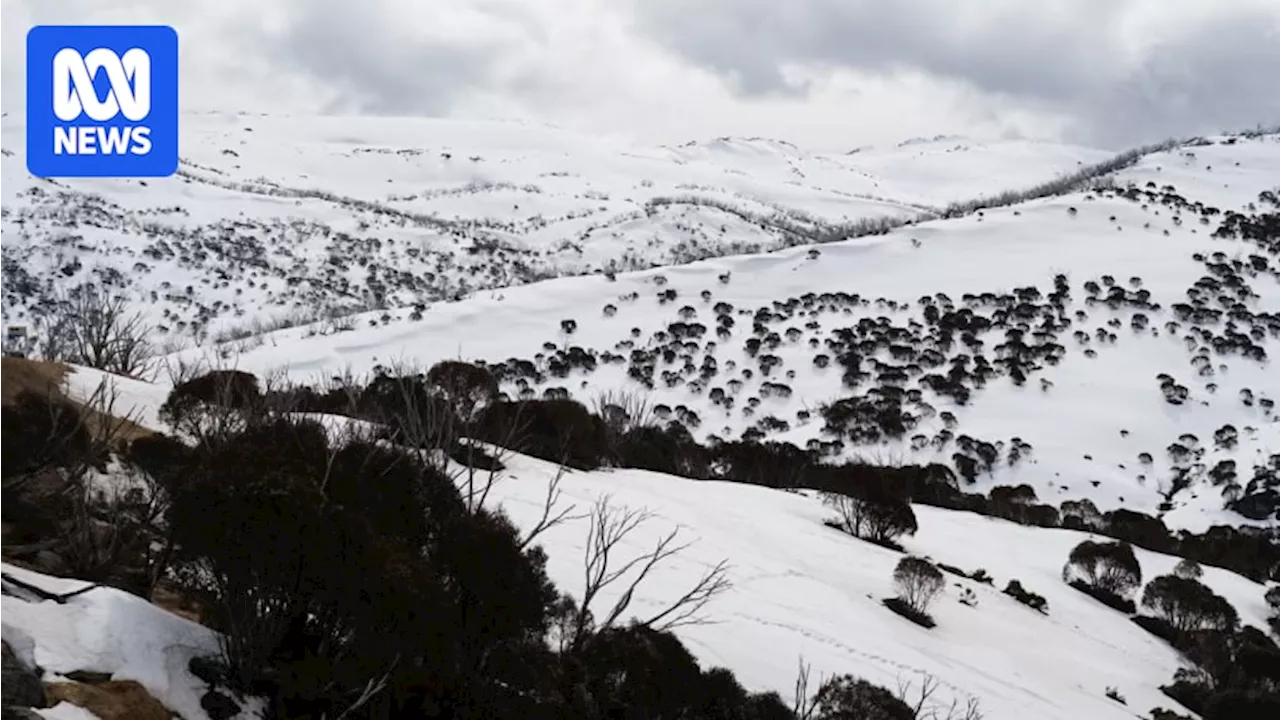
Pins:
x: 1108, y: 339
x: 275, y: 217
x: 1106, y: 343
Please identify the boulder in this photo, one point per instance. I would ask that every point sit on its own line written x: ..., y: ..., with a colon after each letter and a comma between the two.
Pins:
x: 21, y: 684
x: 114, y: 700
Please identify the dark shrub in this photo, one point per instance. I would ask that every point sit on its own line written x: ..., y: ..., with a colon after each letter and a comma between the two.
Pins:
x: 327, y: 566
x: 159, y: 456
x: 900, y: 607
x: 769, y: 464
x: 553, y: 430
x: 847, y: 698
x: 670, y: 449
x: 918, y: 584
x: 638, y: 672
x: 473, y: 456
x: 1110, y: 567
x: 1162, y: 629
x: 1187, y: 568
x: 46, y: 448
x: 233, y: 389
x: 463, y: 384
x: 45, y: 431
x: 413, y: 413
x: 1032, y: 600
x: 874, y: 515
x: 1109, y: 599
x: 1188, y: 605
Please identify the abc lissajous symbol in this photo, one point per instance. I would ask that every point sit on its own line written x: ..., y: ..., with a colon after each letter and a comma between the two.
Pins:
x: 73, y: 90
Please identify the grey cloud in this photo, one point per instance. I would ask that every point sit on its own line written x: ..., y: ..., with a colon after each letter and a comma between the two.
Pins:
x: 1065, y: 56
x: 370, y: 66
x: 1224, y: 77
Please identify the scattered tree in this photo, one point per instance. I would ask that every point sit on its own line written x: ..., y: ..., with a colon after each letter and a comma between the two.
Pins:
x: 1110, y: 567
x: 918, y: 583
x: 1188, y: 605
x: 876, y: 516
x: 1188, y: 568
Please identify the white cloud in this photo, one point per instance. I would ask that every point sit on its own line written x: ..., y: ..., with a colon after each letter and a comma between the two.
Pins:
x: 829, y: 74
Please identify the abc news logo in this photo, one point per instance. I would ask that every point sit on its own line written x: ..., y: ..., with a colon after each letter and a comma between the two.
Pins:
x: 102, y: 101
x: 74, y: 95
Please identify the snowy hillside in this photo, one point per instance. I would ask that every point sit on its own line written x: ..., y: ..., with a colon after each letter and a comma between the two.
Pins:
x: 1110, y: 344
x: 800, y: 590
x: 277, y: 218
x: 803, y: 589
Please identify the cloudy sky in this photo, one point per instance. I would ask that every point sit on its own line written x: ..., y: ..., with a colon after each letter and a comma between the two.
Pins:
x: 825, y: 74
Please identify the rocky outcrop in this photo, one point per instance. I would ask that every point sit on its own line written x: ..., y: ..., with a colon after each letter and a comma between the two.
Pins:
x: 112, y: 700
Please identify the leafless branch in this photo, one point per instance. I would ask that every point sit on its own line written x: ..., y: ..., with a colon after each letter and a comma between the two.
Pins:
x: 370, y: 690
x: 552, y: 514
x: 87, y: 326
x: 803, y: 704
x: 608, y: 528
x: 919, y: 697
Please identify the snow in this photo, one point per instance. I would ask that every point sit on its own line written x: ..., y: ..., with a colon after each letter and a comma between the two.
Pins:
x: 800, y: 590
x: 126, y: 397
x: 433, y: 208
x: 110, y: 631
x: 66, y: 711
x: 1087, y: 431
x: 499, y: 232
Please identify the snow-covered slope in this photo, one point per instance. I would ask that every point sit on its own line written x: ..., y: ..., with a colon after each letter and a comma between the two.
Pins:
x: 277, y: 217
x: 1111, y: 345
x: 803, y: 589
x: 799, y: 590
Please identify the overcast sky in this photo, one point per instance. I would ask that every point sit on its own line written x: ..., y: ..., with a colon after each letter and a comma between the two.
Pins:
x: 825, y: 74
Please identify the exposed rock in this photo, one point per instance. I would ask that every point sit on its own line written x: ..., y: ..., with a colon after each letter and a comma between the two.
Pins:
x: 209, y: 670
x: 219, y: 705
x: 22, y: 686
x: 115, y: 700
x: 86, y: 676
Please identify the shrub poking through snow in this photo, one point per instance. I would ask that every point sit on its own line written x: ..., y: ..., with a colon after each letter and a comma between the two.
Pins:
x: 1032, y: 600
x: 1188, y: 605
x: 918, y: 583
x: 873, y: 514
x: 1108, y: 571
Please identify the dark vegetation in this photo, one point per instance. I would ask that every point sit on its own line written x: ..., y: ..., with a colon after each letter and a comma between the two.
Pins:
x: 918, y: 582
x: 1032, y: 600
x: 374, y: 603
x: 1108, y: 571
x: 352, y: 578
x: 1231, y: 673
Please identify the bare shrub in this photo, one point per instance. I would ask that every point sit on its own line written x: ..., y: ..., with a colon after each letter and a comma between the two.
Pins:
x: 918, y: 583
x: 623, y: 411
x: 921, y: 699
x: 604, y: 571
x: 87, y: 326
x: 878, y: 517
